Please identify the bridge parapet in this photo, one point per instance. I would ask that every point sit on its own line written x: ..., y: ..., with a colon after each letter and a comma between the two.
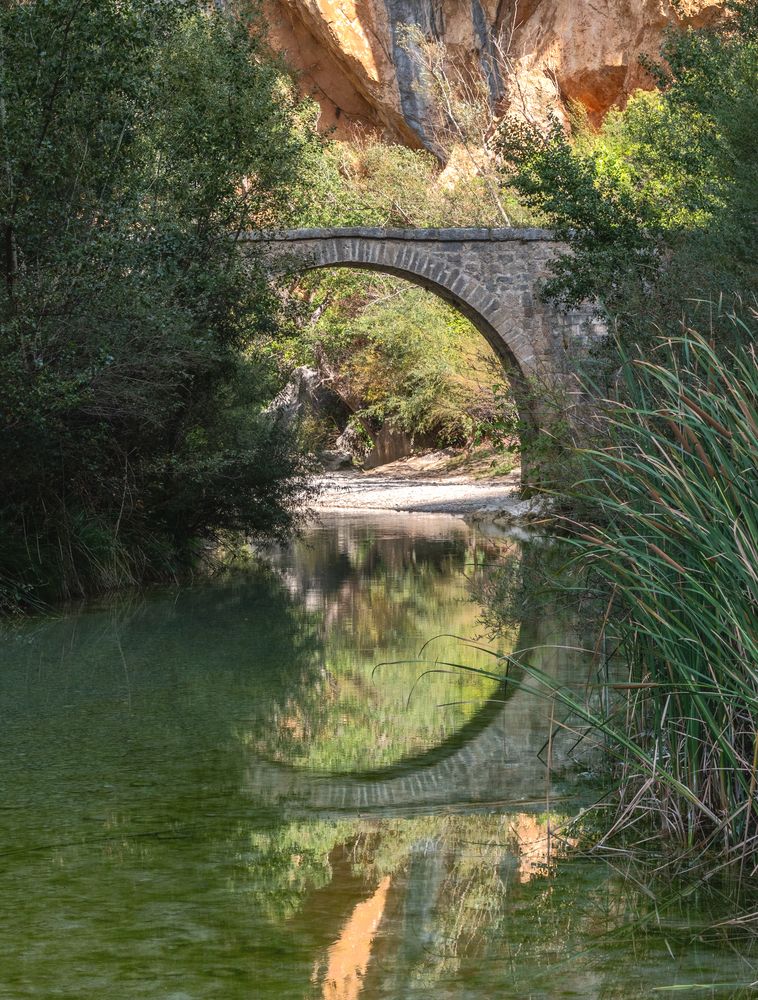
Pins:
x: 447, y: 235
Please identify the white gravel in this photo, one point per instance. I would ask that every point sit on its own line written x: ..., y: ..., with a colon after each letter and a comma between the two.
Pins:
x: 357, y: 491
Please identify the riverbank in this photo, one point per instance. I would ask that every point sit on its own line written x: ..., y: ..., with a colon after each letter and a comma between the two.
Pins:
x: 430, y: 484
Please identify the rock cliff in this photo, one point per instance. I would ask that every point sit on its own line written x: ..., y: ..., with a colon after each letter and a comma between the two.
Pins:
x: 350, y: 54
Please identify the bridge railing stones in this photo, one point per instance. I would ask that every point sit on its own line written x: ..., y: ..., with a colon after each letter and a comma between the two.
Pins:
x: 452, y: 235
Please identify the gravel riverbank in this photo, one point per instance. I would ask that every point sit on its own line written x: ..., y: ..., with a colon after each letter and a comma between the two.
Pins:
x: 357, y: 491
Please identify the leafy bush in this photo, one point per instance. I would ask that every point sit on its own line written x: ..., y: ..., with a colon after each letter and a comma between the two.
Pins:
x: 400, y: 356
x: 659, y: 206
x: 367, y: 183
x: 135, y: 138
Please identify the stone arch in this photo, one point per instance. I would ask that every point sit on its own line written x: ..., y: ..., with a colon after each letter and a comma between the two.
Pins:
x: 463, y: 776
x: 492, y: 276
x: 447, y: 280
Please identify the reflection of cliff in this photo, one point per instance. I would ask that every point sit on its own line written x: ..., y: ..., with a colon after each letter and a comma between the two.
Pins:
x: 349, y: 956
x: 410, y: 900
x: 494, y: 904
x: 351, y: 57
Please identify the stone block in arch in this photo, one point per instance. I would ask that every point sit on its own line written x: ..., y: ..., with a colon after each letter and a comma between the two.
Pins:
x: 453, y: 285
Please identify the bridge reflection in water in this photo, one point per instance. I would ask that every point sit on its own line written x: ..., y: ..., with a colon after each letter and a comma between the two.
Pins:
x: 499, y: 758
x: 401, y: 837
x: 499, y: 754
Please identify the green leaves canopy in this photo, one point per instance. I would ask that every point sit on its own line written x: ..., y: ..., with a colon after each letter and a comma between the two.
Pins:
x: 135, y: 137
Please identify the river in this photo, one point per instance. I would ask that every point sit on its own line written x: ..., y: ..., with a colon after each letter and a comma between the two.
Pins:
x: 255, y: 787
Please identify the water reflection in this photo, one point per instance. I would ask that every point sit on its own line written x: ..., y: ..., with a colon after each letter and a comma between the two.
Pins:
x: 480, y: 906
x: 348, y: 958
x: 379, y: 589
x: 206, y: 794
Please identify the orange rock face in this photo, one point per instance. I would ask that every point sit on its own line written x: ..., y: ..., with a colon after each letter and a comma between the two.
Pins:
x: 350, y: 54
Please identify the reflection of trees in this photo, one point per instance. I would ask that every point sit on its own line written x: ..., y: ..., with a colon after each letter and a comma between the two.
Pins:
x: 481, y: 855
x: 244, y: 630
x: 345, y: 569
x: 287, y: 865
x: 541, y: 583
x: 381, y: 594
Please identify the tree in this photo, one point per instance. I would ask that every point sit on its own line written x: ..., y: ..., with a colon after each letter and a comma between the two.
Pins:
x: 135, y: 138
x: 659, y: 206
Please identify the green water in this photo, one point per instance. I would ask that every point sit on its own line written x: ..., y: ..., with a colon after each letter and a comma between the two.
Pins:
x: 210, y: 792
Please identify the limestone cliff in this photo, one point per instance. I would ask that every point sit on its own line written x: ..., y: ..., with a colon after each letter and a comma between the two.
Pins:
x: 351, y: 57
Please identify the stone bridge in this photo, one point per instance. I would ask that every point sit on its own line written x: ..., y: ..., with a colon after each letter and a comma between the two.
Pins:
x: 492, y: 276
x: 498, y: 760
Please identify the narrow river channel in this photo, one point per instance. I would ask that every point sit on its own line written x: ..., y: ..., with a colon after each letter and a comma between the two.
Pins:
x: 252, y: 788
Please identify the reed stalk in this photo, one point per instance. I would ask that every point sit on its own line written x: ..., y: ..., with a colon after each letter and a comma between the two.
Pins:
x: 676, y: 541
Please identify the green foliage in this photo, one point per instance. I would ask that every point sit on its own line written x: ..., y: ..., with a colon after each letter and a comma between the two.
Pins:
x: 414, y: 366
x: 135, y: 137
x: 501, y: 425
x: 367, y: 183
x: 659, y: 206
x: 400, y: 356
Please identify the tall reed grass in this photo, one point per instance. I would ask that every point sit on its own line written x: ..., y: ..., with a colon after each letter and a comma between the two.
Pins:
x: 675, y: 542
